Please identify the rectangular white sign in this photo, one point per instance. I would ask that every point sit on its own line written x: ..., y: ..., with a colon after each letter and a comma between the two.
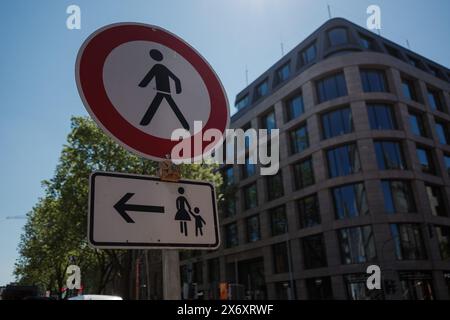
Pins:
x: 134, y: 211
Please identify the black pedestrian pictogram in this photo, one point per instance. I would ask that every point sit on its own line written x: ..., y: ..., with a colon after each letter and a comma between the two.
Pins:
x: 162, y: 77
x: 199, y: 222
x: 182, y: 214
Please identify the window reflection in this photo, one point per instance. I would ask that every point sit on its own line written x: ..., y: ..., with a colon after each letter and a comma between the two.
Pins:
x: 357, y: 245
x: 373, y: 80
x: 337, y: 36
x: 331, y: 87
x: 314, y: 253
x: 389, y: 155
x: 303, y: 173
x: 343, y: 161
x: 295, y: 107
x: 299, y: 139
x: 350, y: 201
x: 408, y: 240
x: 309, y: 211
x: 337, y: 122
x: 381, y: 117
x: 398, y: 196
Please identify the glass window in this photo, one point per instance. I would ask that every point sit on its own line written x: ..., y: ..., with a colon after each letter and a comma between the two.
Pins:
x: 248, y: 136
x: 398, y: 196
x: 357, y: 288
x: 278, y: 220
x: 408, y: 241
x: 338, y: 36
x: 184, y: 272
x: 337, y: 122
x: 389, y: 155
x: 309, y: 212
x: 303, y: 174
x: 250, y: 196
x: 447, y: 278
x: 434, y: 99
x: 228, y: 206
x: 231, y: 235
x: 319, y: 288
x: 436, y: 72
x: 308, y: 55
x: 433, y: 70
x: 343, y: 161
x: 357, y: 245
x: 282, y: 290
x: 274, y: 186
x: 331, y: 87
x: 248, y: 169
x: 436, y: 200
x: 443, y: 235
x: 242, y: 103
x: 262, y: 89
x: 447, y: 163
x: 197, y: 272
x: 367, y: 43
x: 393, y: 52
x: 282, y: 73
x: 425, y: 160
x: 253, y: 230
x: 268, y: 121
x: 280, y: 258
x: 415, y: 62
x: 416, y: 286
x: 416, y: 124
x: 408, y: 89
x: 214, y: 270
x: 442, y: 132
x: 350, y: 201
x: 381, y: 117
x: 295, y: 107
x: 299, y: 139
x: 373, y: 80
x: 228, y: 176
x: 314, y: 254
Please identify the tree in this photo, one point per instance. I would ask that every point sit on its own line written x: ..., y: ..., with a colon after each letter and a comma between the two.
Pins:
x: 56, y: 230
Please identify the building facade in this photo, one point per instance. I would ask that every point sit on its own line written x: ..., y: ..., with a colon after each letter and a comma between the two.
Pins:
x: 364, y: 177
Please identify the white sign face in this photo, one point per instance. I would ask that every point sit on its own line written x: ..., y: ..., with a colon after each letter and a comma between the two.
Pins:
x: 133, y: 211
x: 125, y: 68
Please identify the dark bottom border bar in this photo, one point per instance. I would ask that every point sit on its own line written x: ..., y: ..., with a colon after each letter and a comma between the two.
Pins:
x: 229, y: 309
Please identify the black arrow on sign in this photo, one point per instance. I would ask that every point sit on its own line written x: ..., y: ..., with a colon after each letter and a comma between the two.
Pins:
x: 122, y: 207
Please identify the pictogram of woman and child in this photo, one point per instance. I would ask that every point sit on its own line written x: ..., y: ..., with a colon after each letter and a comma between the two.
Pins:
x: 184, y: 214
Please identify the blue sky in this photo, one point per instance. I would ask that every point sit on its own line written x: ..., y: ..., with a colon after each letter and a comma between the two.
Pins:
x: 37, y: 86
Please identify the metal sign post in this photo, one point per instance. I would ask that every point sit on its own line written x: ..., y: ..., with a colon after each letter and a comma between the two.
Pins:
x: 168, y: 171
x: 171, y: 274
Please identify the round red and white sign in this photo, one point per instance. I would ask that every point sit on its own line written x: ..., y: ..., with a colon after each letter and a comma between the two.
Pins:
x: 140, y: 82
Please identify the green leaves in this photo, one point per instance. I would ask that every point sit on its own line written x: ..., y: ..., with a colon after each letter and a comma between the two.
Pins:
x: 55, y: 233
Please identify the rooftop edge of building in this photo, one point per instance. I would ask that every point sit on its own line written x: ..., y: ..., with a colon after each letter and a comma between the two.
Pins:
x: 325, y: 50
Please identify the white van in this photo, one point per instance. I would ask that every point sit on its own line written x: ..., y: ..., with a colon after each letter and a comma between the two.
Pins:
x: 95, y: 297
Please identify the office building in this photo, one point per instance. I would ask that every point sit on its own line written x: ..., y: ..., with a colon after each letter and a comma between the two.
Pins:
x: 364, y: 177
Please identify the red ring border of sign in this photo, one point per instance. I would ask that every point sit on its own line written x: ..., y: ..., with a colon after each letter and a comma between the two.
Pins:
x: 89, y: 77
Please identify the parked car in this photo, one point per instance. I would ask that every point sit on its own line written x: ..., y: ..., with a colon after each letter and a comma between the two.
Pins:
x: 18, y: 292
